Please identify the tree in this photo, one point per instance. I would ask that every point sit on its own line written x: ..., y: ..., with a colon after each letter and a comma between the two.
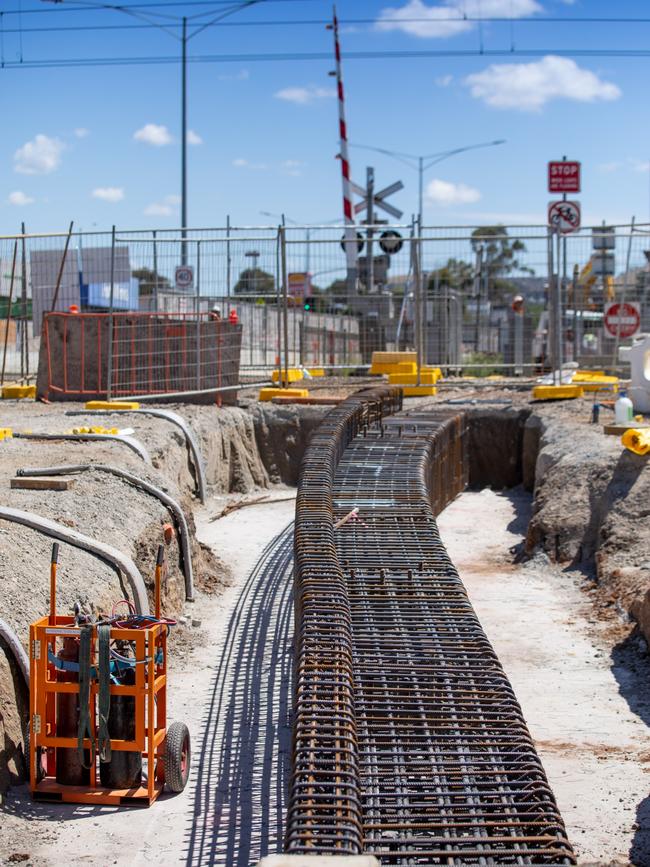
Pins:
x: 456, y: 274
x: 500, y: 258
x: 255, y: 281
x: 150, y: 280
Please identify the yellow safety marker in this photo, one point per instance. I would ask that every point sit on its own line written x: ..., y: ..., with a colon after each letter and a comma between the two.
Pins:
x: 637, y: 441
x: 6, y: 433
x: 557, y: 392
x: 269, y: 393
x: 116, y: 405
x: 97, y: 429
x: 292, y: 374
x: 18, y: 392
x: 316, y: 371
x: 595, y: 381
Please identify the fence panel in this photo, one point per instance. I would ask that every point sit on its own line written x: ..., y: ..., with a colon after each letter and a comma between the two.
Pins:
x: 476, y: 300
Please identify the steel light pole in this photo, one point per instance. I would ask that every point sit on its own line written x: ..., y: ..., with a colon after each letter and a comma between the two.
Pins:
x: 421, y: 163
x: 184, y: 38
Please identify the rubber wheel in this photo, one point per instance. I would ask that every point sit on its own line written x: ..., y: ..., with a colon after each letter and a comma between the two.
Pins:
x: 178, y: 754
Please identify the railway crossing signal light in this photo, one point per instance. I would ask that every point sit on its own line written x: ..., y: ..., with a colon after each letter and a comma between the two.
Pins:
x: 308, y: 304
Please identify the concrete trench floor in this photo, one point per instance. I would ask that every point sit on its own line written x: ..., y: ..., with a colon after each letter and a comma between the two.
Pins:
x: 583, y: 686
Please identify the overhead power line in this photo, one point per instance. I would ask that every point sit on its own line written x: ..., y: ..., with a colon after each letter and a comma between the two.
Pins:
x: 286, y: 57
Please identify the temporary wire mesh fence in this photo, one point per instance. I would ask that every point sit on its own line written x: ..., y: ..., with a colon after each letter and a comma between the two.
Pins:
x: 450, y: 293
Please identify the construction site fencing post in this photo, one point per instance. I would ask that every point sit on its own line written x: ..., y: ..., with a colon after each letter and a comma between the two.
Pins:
x: 8, y: 322
x: 198, y: 315
x: 617, y: 339
x: 24, y: 343
x: 155, y: 271
x: 285, y: 301
x: 109, y: 348
x: 415, y: 250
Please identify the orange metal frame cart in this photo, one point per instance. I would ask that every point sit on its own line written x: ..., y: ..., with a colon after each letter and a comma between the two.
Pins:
x: 149, y: 691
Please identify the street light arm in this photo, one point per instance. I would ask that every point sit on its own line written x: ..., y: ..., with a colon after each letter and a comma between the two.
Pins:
x: 438, y: 158
x: 398, y: 155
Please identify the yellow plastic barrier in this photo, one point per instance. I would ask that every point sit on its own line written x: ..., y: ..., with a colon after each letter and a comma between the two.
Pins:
x: 557, y: 392
x: 637, y: 441
x: 116, y: 405
x: 595, y: 381
x: 292, y: 374
x: 18, y: 392
x: 270, y: 393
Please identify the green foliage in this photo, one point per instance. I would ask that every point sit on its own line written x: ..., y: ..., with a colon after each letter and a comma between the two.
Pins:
x: 456, y: 274
x: 255, y: 281
x: 483, y: 360
x: 149, y: 280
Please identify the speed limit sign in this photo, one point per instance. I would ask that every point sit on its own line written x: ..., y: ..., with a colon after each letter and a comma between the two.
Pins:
x: 184, y: 277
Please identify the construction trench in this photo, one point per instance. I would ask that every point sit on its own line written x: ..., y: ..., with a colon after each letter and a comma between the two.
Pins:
x: 383, y: 722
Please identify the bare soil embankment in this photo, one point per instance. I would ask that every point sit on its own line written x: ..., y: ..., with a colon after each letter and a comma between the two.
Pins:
x: 113, y: 511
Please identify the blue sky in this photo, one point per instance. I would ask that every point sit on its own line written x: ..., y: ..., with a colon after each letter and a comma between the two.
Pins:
x: 100, y: 144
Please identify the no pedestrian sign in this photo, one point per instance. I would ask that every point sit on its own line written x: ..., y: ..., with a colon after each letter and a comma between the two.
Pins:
x: 564, y: 176
x: 623, y: 319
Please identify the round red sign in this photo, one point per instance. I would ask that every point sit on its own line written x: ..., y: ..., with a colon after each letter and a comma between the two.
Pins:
x: 622, y: 319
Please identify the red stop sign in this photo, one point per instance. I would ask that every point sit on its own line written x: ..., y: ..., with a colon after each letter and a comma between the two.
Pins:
x: 622, y: 319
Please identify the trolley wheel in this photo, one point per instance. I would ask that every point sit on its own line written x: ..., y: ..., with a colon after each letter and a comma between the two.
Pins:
x: 178, y: 754
x: 40, y: 763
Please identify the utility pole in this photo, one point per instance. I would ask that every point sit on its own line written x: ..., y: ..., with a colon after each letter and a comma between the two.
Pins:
x: 184, y: 144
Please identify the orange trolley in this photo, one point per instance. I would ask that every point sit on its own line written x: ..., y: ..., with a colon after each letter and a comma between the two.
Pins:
x: 68, y: 765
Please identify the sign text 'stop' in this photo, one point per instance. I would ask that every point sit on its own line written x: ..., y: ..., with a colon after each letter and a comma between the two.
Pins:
x: 564, y: 176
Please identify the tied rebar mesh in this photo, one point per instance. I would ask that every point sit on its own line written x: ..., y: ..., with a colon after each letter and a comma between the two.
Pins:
x: 409, y: 741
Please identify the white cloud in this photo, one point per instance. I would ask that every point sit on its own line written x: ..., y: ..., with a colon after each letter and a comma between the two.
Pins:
x: 108, y: 194
x: 614, y: 166
x: 153, y: 134
x: 241, y: 163
x: 81, y: 132
x: 193, y: 138
x: 305, y: 95
x: 242, y: 75
x: 293, y: 167
x: 40, y: 156
x: 444, y: 80
x: 446, y: 193
x: 529, y: 86
x: 450, y: 17
x: 19, y: 199
x: 640, y: 165
x: 166, y: 208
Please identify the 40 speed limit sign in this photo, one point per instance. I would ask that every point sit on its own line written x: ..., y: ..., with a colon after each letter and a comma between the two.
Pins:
x: 564, y: 217
x: 184, y: 277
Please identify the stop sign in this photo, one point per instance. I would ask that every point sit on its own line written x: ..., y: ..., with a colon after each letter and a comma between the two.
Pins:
x: 623, y: 319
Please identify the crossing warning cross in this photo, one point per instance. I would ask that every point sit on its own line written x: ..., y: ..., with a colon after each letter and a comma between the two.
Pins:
x: 378, y: 199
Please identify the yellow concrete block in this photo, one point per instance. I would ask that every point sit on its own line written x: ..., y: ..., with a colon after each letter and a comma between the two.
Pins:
x: 316, y: 371
x: 293, y: 374
x: 18, y: 392
x: 557, y: 392
x: 637, y: 441
x: 435, y: 370
x: 403, y: 367
x: 419, y: 391
x: 269, y: 393
x: 427, y: 377
x: 384, y: 362
x: 115, y: 405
